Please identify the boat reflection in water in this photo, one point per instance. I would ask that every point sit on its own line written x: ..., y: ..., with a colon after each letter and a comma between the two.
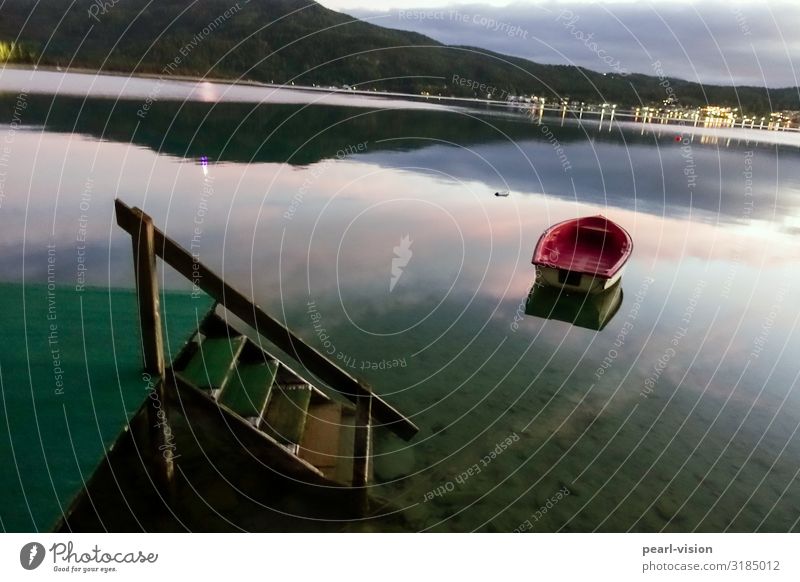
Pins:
x: 588, y: 310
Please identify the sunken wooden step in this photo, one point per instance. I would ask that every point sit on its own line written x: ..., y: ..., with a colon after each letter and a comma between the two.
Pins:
x: 321, y: 442
x: 249, y: 388
x: 329, y: 440
x: 212, y: 364
x: 285, y: 418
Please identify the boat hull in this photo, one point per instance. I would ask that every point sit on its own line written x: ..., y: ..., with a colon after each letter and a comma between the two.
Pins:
x: 574, y: 281
x: 582, y: 255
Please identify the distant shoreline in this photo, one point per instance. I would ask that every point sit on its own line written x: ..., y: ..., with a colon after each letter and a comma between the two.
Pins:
x: 591, y: 114
x: 244, y: 82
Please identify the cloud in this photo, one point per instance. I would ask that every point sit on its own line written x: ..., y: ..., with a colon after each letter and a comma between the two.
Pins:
x: 712, y: 42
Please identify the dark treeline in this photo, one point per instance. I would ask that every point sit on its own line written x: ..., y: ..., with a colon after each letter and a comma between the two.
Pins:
x: 294, y: 134
x: 284, y: 41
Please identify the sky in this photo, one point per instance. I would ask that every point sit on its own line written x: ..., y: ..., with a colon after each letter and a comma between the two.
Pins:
x: 708, y: 41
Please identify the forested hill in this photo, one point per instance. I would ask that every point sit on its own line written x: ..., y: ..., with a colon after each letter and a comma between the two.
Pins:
x: 300, y: 41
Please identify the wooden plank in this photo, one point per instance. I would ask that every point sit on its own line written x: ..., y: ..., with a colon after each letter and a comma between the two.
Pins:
x: 249, y: 388
x: 362, y: 452
x: 347, y: 432
x: 285, y: 418
x: 242, y: 307
x: 320, y: 443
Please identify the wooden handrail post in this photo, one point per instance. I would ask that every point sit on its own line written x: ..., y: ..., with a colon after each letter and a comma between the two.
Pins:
x: 161, y: 436
x: 162, y: 442
x: 144, y: 266
x: 362, y: 452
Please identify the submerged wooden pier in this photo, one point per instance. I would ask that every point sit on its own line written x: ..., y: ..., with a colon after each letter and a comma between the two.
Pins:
x: 232, y: 418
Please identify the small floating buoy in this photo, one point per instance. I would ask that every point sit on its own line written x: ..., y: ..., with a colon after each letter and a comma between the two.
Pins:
x: 502, y: 193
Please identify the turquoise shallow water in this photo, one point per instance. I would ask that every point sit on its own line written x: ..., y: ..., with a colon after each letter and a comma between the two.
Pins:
x: 70, y: 379
x: 680, y: 415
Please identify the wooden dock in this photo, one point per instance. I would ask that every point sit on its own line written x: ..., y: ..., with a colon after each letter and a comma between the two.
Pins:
x: 227, y: 409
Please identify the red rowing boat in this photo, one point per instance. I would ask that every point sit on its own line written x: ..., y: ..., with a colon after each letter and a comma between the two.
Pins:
x: 583, y: 254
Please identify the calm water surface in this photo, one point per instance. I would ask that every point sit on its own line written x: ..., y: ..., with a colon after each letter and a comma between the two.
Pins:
x: 681, y: 414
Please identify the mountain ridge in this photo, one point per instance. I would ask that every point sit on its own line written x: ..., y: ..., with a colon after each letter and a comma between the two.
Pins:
x: 301, y: 41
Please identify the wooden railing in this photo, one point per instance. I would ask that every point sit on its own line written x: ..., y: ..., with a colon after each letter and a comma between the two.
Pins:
x: 149, y: 241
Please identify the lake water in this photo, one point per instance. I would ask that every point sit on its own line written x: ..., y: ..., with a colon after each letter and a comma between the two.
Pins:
x: 681, y: 414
